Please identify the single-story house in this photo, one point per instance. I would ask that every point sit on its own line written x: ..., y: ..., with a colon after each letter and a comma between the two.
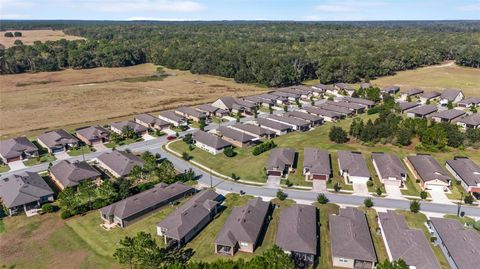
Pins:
x: 234, y: 105
x: 70, y: 174
x: 241, y: 231
x: 352, y: 167
x: 410, y: 93
x: 421, y: 111
x: 327, y: 115
x: 280, y: 162
x: 126, y: 211
x: 317, y: 167
x: 335, y: 108
x: 389, y: 168
x: 429, y: 96
x: 57, y: 141
x: 469, y: 102
x: 151, y: 122
x: 470, y: 122
x: 24, y: 191
x: 191, y: 113
x: 188, y: 220
x: 356, y: 108
x: 93, y: 135
x: 210, y: 142
x: 404, y: 243
x: 390, y: 90
x: 237, y: 138
x: 460, y: 245
x: 259, y: 101
x: 313, y: 119
x: 297, y: 233
x: 290, y: 96
x: 119, y: 163
x: 467, y: 172
x: 17, y: 149
x: 429, y: 171
x: 119, y: 126
x: 172, y: 118
x: 275, y: 99
x: 451, y: 95
x: 211, y: 111
x: 447, y: 115
x: 277, y: 127
x: 364, y: 102
x: 319, y: 89
x: 254, y: 130
x: 295, y: 123
x: 351, y: 242
x: 405, y: 106
x: 344, y: 89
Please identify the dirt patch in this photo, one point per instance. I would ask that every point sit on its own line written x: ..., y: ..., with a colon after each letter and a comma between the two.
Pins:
x: 30, y: 36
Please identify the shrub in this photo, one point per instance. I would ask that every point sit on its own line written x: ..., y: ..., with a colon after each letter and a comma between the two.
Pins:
x: 423, y: 195
x: 322, y: 199
x: 65, y: 214
x: 288, y: 183
x: 414, y: 206
x: 49, y: 208
x: 379, y: 191
x: 368, y: 202
x: 229, y: 152
x: 281, y: 195
x: 417, y: 180
x: 336, y: 187
x: 338, y: 135
x: 265, y: 146
x: 369, y: 183
x: 433, y: 239
x: 186, y: 156
x: 468, y: 199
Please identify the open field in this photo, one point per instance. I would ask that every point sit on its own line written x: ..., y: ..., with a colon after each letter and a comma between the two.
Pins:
x: 30, y: 36
x: 33, y: 103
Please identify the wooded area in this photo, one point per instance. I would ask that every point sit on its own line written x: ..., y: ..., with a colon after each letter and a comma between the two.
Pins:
x: 269, y: 53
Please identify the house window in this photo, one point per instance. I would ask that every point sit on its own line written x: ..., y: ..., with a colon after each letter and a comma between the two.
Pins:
x: 343, y: 260
x: 243, y: 244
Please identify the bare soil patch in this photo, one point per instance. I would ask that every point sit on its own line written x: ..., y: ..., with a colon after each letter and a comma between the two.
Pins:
x: 30, y: 36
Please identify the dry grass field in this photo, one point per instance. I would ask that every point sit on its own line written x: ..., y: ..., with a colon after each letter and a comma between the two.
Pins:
x: 33, y: 103
x: 30, y: 36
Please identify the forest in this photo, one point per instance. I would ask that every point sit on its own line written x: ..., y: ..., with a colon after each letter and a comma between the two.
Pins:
x: 267, y: 53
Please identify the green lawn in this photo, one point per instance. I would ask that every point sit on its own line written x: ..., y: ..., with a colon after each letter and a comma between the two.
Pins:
x: 380, y: 248
x: 413, y: 188
x: 2, y: 227
x: 78, y: 151
x: 123, y: 143
x: 457, y: 191
x: 4, y: 168
x: 325, y: 259
x: 46, y: 158
x: 464, y: 220
x: 373, y: 173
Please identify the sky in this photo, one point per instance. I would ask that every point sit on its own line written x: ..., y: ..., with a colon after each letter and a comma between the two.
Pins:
x: 300, y: 10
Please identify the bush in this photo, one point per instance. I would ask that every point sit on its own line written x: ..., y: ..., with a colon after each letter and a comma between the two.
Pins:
x: 417, y: 180
x: 368, y: 202
x: 379, y: 191
x: 336, y: 187
x: 49, y: 208
x: 65, y: 214
x: 265, y: 146
x: 369, y: 183
x: 322, y: 199
x: 423, y: 195
x: 433, y: 239
x: 468, y: 199
x: 414, y: 206
x: 338, y: 135
x: 288, y: 183
x: 229, y: 152
x: 281, y: 195
x: 186, y: 156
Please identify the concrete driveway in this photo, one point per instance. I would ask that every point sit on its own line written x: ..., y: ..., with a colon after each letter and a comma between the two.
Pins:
x: 319, y: 186
x: 147, y: 137
x: 393, y: 192
x: 360, y: 189
x: 99, y: 147
x: 16, y: 165
x: 439, y: 196
x: 62, y: 155
x: 273, y: 182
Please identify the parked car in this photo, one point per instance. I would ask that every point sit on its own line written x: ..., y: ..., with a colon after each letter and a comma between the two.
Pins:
x: 171, y: 137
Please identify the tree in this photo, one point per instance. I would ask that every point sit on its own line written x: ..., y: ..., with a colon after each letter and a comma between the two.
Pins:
x: 8, y: 34
x: 285, y: 108
x: 18, y: 34
x: 255, y: 112
x: 86, y: 191
x: 67, y: 200
x: 322, y: 199
x: 336, y: 187
x: 270, y: 109
x: 166, y: 172
x: 281, y: 195
x: 229, y: 152
x: 423, y: 195
x: 473, y: 135
x: 398, y: 264
x: 123, y: 185
x: 450, y: 105
x: 312, y: 101
x: 115, y: 138
x: 188, y: 138
x: 468, y: 199
x: 415, y: 206
x: 434, y: 137
x: 136, y: 172
x: 202, y: 124
x: 186, y: 156
x: 128, y: 132
x: 338, y: 135
x: 404, y: 136
x: 368, y: 202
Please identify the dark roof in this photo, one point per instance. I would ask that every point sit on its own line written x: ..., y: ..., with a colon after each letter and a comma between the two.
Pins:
x: 344, y: 86
x: 57, y: 138
x: 191, y: 112
x: 121, y: 162
x: 467, y: 170
x: 71, y: 174
x: 360, y: 101
x: 428, y: 168
x: 23, y: 188
x: 297, y: 229
x: 228, y: 101
x: 350, y: 236
x: 335, y: 108
x: 132, y: 205
x: 450, y: 94
x: 137, y: 128
x: 235, y: 134
x: 270, y: 97
x: 303, y: 116
x: 253, y: 129
x: 473, y: 119
x: 469, y: 101
x: 210, y: 140
x: 207, y: 107
x: 289, y: 120
x: 407, y: 244
x: 151, y: 120
x: 172, y: 116
x: 189, y: 215
x: 286, y: 94
x: 244, y: 223
x: 257, y: 99
x: 245, y: 103
x: 423, y: 110
x: 463, y: 244
x: 280, y: 157
x: 348, y: 105
x: 273, y: 124
x: 407, y: 105
x: 353, y: 163
x: 449, y: 114
x: 15, y: 147
x: 389, y: 165
x: 321, y: 86
x: 323, y: 112
x: 93, y: 132
x: 390, y: 89
x: 430, y: 95
x: 413, y: 91
x: 317, y: 160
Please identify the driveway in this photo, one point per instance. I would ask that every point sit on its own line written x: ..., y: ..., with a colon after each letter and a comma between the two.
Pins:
x: 393, y: 192
x: 439, y: 196
x: 319, y: 186
x: 16, y: 165
x: 62, y: 155
x: 99, y: 147
x: 147, y: 137
x: 273, y: 182
x: 360, y: 189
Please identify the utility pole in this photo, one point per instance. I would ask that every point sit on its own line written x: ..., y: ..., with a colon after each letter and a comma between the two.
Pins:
x: 459, y: 205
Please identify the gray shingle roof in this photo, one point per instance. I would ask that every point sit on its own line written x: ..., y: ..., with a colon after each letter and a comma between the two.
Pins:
x: 189, y: 215
x: 93, y: 132
x: 335, y: 108
x: 297, y: 229
x: 389, y: 166
x: 207, y: 107
x: 244, y: 223
x: 280, y: 157
x: 467, y: 170
x: 57, y: 138
x: 323, y: 112
x: 303, y: 116
x: 191, y: 112
x: 257, y: 99
x: 228, y: 101
x: 473, y: 119
x: 317, y: 160
x: 430, y: 95
x: 463, y: 244
x: 273, y: 124
x: 423, y: 110
x: 449, y: 114
x: 169, y: 114
x: 253, y: 129
x: 352, y: 106
x: 137, y: 128
x: 71, y: 174
x: 413, y: 92
x: 470, y: 101
x: 407, y: 105
x: 121, y: 162
x: 390, y: 89
x: 23, y: 188
x: 151, y: 120
x: 15, y: 147
x: 344, y: 86
x: 210, y: 140
x: 450, y: 94
x: 410, y: 245
x: 428, y: 168
x: 353, y: 163
x: 350, y: 235
x: 289, y: 120
x: 235, y: 135
x: 360, y: 101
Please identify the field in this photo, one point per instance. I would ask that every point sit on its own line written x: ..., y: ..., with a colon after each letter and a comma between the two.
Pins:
x: 30, y: 36
x: 74, y: 98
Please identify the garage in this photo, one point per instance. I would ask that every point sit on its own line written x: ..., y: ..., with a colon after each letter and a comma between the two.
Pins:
x: 397, y: 183
x: 13, y: 159
x: 57, y: 150
x: 275, y: 173
x: 434, y: 187
x: 320, y: 177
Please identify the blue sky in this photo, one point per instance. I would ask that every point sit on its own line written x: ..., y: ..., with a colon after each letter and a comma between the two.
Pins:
x: 321, y: 10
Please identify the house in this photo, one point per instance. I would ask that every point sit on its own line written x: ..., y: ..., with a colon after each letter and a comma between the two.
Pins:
x: 421, y: 111
x: 405, y: 106
x: 93, y: 135
x: 429, y: 96
x: 335, y: 108
x: 312, y: 119
x: 211, y: 111
x: 241, y: 231
x: 254, y: 130
x: 429, y: 171
x: 344, y: 89
x: 451, y: 95
x: 275, y: 99
x: 410, y: 93
x: 469, y: 102
x: 467, y: 172
x: 24, y: 191
x: 389, y: 168
x: 119, y: 163
x: 259, y: 101
x: 280, y: 162
x: 447, y: 115
x: 390, y: 90
x: 126, y: 211
x: 172, y: 118
x: 17, y: 149
x: 151, y: 122
x: 470, y: 122
x: 210, y: 142
x: 57, y: 141
x: 327, y: 115
x: 277, y: 127
x: 71, y: 174
x: 356, y: 108
x: 119, y: 126
x: 234, y: 105
x: 191, y: 113
x: 352, y: 167
x: 365, y: 85
x: 297, y: 233
x: 364, y: 102
x: 404, y: 243
x: 319, y: 89
x: 460, y: 245
x: 235, y: 137
x: 317, y: 167
x: 225, y: 103
x: 294, y: 123
x: 290, y: 96
x: 351, y: 242
x: 188, y: 220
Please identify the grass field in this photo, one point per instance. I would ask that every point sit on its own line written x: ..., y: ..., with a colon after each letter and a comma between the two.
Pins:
x: 325, y: 259
x: 79, y: 151
x: 377, y: 239
x: 42, y: 159
x: 30, y: 36
x: 74, y: 98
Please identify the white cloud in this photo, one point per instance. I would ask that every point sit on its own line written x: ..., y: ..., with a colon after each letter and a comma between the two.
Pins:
x: 346, y: 6
x: 143, y: 5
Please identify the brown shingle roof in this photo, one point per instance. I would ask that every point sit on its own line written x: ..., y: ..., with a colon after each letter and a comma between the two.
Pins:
x: 57, y: 138
x: 467, y: 170
x: 353, y: 163
x: 428, y: 168
x: 151, y: 120
x: 235, y: 135
x: 71, y: 174
x: 273, y: 124
x: 121, y: 162
x: 210, y: 140
x: 297, y: 229
x: 448, y: 114
x: 318, y: 161
x: 389, y: 165
x: 280, y: 157
x: 93, y: 132
x: 253, y: 129
x: 137, y: 128
x: 423, y: 110
x: 15, y: 147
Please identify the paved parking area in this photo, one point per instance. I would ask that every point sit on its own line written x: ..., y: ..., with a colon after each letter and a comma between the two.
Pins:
x: 393, y: 192
x: 16, y: 165
x: 439, y: 196
x: 360, y: 189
